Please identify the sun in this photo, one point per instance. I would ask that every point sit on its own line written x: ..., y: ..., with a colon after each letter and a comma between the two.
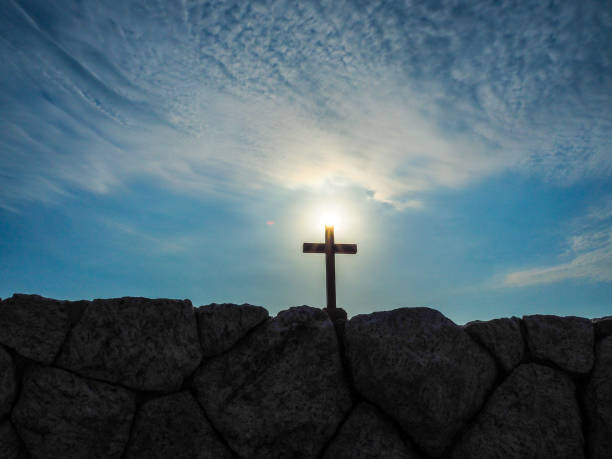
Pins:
x: 330, y: 217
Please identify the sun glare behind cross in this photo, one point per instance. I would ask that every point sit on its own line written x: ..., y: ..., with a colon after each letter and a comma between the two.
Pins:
x: 329, y: 218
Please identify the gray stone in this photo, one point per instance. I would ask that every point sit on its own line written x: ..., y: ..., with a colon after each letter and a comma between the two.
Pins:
x: 502, y: 338
x: 8, y: 382
x: 221, y: 325
x: 598, y: 402
x: 421, y: 369
x: 59, y: 414
x: 34, y: 326
x: 137, y: 342
x: 174, y: 427
x: 10, y: 446
x: 366, y: 434
x: 567, y: 342
x: 280, y: 392
x: 603, y: 327
x: 532, y: 414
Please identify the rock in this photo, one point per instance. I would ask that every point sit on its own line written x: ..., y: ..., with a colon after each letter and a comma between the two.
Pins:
x: 221, y: 325
x: 59, y: 414
x: 34, y: 326
x: 533, y: 413
x: 421, y: 369
x: 565, y: 341
x: 366, y: 434
x: 502, y: 338
x: 603, y: 327
x: 10, y: 445
x: 137, y: 342
x: 598, y: 402
x: 8, y: 382
x: 280, y: 392
x: 174, y: 427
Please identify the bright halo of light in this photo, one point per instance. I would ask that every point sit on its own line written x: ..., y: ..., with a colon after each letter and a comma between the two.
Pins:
x: 330, y: 218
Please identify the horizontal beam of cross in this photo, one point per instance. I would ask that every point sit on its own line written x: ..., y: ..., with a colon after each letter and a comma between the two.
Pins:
x: 314, y: 247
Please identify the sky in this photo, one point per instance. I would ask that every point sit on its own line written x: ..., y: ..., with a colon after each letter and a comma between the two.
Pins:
x: 187, y: 149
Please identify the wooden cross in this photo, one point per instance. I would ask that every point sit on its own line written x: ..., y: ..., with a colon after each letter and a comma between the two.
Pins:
x: 330, y: 249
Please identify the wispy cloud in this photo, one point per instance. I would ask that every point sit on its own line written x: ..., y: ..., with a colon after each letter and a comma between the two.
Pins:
x: 589, y: 252
x: 240, y: 96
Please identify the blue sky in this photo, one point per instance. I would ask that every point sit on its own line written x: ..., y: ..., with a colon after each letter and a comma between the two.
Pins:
x: 186, y: 149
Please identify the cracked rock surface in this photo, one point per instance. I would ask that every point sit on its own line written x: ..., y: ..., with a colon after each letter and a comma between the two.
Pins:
x: 34, y: 326
x: 8, y: 383
x: 598, y: 402
x: 603, y: 327
x: 533, y: 413
x: 281, y: 392
x: 220, y: 326
x: 61, y: 415
x: 367, y: 434
x: 9, y: 441
x: 565, y: 341
x: 136, y: 342
x: 502, y: 338
x: 421, y: 369
x: 174, y: 427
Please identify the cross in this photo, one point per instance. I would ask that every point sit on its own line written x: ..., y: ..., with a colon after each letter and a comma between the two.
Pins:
x: 330, y: 249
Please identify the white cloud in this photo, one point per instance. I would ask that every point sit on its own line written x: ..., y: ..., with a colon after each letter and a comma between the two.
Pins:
x: 233, y: 98
x: 589, y: 253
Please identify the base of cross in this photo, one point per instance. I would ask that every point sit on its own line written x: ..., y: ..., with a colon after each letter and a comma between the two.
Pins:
x: 335, y: 314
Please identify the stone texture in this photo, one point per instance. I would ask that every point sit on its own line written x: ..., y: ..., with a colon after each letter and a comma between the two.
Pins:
x: 598, y: 402
x: 281, y: 392
x: 420, y: 368
x: 137, y: 342
x: 10, y: 445
x: 61, y: 415
x: 221, y: 325
x: 366, y: 434
x: 8, y: 382
x: 565, y: 341
x: 533, y: 414
x: 174, y: 427
x: 502, y: 338
x: 34, y: 326
x: 603, y: 327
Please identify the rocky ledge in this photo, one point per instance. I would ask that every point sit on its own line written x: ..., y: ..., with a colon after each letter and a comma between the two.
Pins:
x: 142, y: 378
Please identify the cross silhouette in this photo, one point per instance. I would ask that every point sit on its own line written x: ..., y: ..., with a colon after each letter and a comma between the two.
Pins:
x: 330, y: 249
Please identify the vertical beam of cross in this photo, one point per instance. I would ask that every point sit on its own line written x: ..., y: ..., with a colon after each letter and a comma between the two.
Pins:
x: 330, y: 267
x: 330, y: 248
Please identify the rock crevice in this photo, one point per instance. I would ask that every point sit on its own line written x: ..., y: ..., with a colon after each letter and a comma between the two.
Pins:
x: 134, y: 377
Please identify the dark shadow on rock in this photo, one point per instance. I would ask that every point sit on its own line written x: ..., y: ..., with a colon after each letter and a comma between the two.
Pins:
x: 281, y: 392
x: 534, y: 413
x: 421, y: 369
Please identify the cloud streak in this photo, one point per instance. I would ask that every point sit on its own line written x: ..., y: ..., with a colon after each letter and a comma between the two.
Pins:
x: 239, y: 97
x: 589, y: 253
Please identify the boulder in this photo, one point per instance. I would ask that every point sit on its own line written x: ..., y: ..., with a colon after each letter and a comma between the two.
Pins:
x: 603, y: 327
x: 59, y: 414
x: 220, y: 326
x: 140, y: 343
x: 565, y: 341
x: 34, y: 326
x: 280, y: 392
x: 502, y: 338
x: 421, y: 369
x: 174, y: 427
x: 533, y: 413
x: 10, y: 446
x: 367, y: 434
x: 8, y: 382
x: 598, y: 402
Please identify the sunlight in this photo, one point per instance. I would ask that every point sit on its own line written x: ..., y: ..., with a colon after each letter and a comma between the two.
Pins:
x: 330, y: 218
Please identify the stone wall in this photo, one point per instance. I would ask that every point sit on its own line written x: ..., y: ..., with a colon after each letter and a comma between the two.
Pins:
x: 141, y: 378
